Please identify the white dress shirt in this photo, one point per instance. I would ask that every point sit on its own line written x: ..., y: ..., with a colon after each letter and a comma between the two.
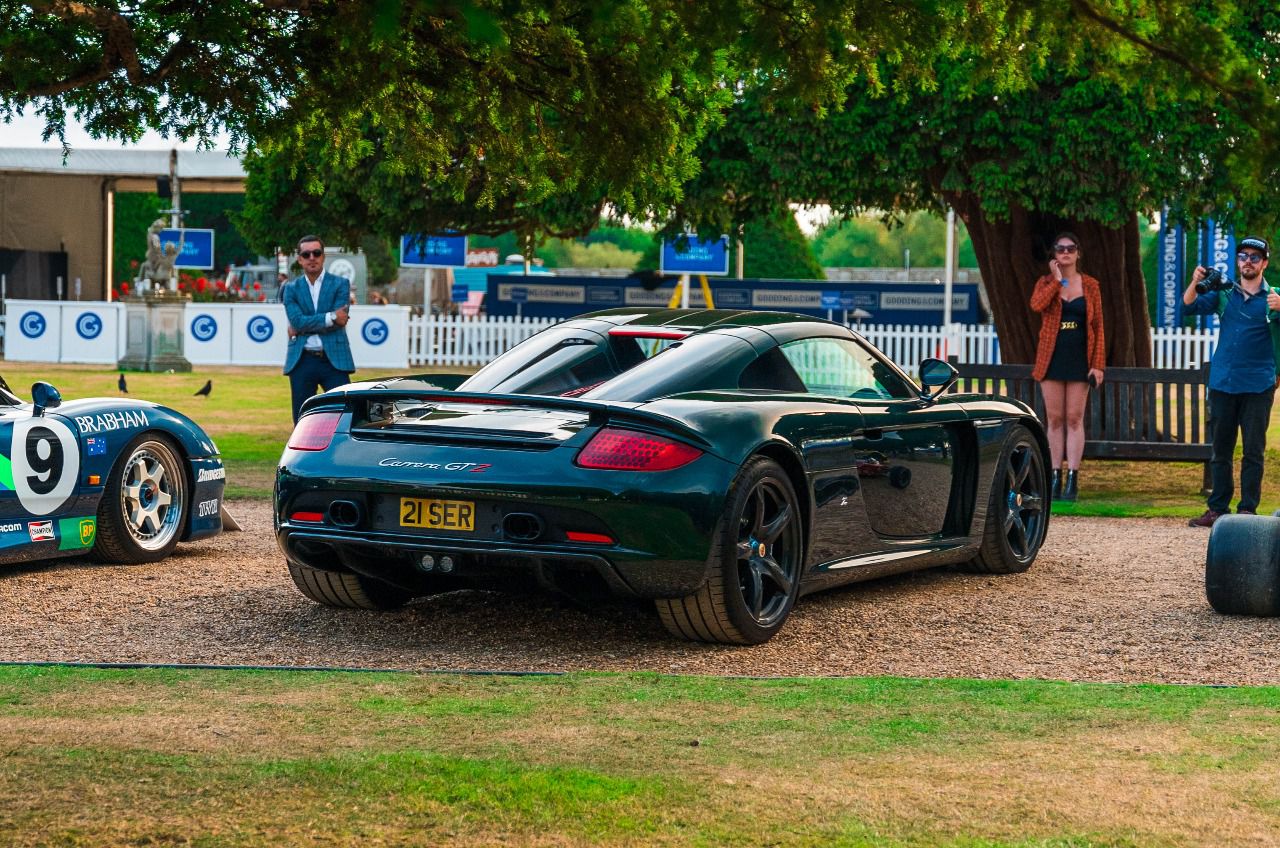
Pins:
x: 313, y: 339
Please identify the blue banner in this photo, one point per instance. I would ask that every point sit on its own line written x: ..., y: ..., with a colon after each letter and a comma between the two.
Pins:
x: 196, y: 249
x: 1172, y: 273
x: 423, y: 251
x: 886, y: 302
x: 695, y: 256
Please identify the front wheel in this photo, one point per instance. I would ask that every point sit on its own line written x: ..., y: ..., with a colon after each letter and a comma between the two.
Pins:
x: 1017, y: 514
x: 754, y: 566
x: 144, y: 504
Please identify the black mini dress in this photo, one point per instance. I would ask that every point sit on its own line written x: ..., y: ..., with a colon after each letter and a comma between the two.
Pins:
x: 1070, y: 360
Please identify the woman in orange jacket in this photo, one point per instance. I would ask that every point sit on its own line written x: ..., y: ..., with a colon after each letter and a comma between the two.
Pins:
x: 1070, y: 356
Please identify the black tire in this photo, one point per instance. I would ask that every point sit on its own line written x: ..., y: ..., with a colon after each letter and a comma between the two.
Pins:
x: 1242, y: 565
x: 754, y: 567
x: 1018, y: 513
x: 346, y: 589
x: 144, y: 506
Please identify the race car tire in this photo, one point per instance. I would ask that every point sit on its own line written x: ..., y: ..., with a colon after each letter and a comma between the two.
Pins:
x: 754, y: 567
x: 144, y: 504
x: 1242, y: 565
x: 1018, y: 512
x: 346, y: 589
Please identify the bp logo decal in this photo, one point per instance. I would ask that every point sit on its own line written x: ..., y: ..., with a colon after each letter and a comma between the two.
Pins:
x: 32, y: 325
x: 375, y: 331
x: 76, y: 533
x: 205, y: 327
x: 89, y: 326
x: 44, y: 463
x: 260, y: 328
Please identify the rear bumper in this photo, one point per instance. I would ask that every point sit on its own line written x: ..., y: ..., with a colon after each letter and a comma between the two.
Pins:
x: 397, y: 559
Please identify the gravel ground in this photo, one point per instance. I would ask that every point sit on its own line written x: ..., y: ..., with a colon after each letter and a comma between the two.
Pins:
x: 1108, y: 600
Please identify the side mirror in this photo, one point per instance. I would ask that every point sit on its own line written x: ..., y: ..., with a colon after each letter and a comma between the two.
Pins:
x: 936, y: 376
x: 44, y: 396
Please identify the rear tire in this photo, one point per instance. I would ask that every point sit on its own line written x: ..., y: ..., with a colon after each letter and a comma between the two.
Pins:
x: 1017, y: 514
x: 754, y: 567
x: 144, y: 505
x: 346, y: 589
x: 1242, y: 565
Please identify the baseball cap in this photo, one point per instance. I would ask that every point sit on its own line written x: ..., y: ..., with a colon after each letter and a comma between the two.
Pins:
x: 1258, y: 244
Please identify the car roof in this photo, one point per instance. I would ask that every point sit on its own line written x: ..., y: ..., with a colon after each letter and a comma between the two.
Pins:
x: 702, y: 320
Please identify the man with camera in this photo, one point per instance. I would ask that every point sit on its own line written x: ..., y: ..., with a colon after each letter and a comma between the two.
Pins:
x: 1243, y: 374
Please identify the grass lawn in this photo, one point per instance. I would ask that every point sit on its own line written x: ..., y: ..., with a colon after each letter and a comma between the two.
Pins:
x: 159, y: 757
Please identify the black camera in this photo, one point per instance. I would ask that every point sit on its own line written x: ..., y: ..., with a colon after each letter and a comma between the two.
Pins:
x: 1214, y: 281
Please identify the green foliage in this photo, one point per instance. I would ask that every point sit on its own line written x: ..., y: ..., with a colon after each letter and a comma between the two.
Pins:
x: 134, y: 213
x: 865, y: 242
x: 776, y: 249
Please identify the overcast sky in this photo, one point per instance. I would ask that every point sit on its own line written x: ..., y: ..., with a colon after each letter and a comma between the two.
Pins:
x: 25, y: 132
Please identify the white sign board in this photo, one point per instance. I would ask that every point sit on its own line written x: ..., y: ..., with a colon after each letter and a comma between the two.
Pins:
x: 206, y: 333
x: 90, y: 332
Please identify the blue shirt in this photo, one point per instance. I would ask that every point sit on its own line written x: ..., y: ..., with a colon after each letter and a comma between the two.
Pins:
x: 1244, y: 361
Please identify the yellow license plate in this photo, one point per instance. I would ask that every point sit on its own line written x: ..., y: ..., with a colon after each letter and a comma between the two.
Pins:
x: 437, y: 515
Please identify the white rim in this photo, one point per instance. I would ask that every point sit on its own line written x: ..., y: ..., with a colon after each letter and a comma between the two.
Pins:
x: 151, y: 496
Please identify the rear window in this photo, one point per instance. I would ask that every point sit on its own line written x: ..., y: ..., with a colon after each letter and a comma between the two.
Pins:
x: 565, y: 362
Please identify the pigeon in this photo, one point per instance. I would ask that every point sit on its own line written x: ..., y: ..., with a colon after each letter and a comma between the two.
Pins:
x: 121, y: 384
x: 206, y: 388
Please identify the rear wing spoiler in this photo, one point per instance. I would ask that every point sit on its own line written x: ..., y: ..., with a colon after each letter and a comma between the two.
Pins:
x: 598, y: 412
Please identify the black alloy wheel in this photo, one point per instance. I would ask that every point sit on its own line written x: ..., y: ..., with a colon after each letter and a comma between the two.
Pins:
x: 755, y: 565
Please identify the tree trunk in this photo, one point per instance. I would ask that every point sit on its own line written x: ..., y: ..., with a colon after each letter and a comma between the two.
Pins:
x: 1013, y: 254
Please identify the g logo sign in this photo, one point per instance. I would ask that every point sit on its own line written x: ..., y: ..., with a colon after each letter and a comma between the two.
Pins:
x: 89, y: 326
x: 46, y: 463
x: 32, y: 325
x: 375, y: 331
x: 204, y: 328
x: 260, y: 328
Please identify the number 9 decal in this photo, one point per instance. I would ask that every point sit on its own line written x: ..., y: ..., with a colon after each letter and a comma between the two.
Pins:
x: 46, y: 463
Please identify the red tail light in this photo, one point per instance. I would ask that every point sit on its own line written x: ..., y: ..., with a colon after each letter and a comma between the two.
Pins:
x: 314, y: 432
x: 627, y: 450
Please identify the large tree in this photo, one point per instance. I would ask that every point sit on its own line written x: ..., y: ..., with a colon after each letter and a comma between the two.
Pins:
x: 481, y: 115
x: 1074, y: 150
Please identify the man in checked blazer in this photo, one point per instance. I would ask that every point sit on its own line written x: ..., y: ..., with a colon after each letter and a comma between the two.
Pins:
x: 317, y: 305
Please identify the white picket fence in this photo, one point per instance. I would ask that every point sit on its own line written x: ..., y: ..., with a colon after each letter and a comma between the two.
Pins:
x: 459, y: 340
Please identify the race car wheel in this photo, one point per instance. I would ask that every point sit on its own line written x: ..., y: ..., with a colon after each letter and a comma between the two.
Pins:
x: 1017, y: 515
x: 346, y: 589
x: 754, y: 566
x: 144, y: 504
x: 1242, y: 565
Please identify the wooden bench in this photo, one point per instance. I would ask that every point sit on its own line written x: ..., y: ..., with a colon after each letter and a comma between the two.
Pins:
x: 1157, y: 414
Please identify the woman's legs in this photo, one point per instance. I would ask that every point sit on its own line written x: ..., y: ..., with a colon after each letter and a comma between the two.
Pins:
x: 1055, y: 412
x: 1076, y: 395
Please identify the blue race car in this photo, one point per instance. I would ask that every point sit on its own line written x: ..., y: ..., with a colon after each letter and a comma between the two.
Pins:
x: 124, y: 479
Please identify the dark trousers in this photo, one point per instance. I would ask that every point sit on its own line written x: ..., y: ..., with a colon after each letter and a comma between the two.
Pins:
x: 310, y: 372
x: 1250, y: 414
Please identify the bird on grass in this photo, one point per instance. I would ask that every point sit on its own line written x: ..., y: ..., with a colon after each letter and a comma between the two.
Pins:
x: 121, y: 384
x: 205, y: 389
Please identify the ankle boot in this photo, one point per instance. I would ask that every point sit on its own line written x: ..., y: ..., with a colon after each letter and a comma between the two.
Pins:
x: 1070, y: 488
x: 1057, y: 484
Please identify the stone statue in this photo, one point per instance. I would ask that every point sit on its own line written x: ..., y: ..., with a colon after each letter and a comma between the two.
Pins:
x: 157, y: 272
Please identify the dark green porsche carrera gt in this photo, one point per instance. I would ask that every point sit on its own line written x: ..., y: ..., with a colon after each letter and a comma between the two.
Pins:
x: 721, y: 463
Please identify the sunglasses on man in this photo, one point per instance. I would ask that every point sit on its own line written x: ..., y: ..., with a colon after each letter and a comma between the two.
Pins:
x: 310, y: 254
x: 1064, y: 248
x: 1251, y: 258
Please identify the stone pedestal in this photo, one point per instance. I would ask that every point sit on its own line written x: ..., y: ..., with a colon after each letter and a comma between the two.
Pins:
x: 153, y: 327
